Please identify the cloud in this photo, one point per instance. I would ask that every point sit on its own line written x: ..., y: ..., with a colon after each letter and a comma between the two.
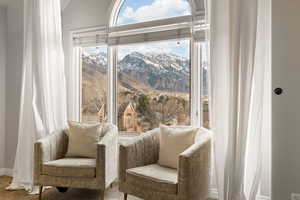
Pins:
x: 157, y: 10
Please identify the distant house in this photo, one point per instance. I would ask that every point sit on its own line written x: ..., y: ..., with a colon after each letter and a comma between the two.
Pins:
x: 127, y: 118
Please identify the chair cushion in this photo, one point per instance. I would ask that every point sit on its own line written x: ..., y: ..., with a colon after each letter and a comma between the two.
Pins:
x: 71, y: 167
x: 153, y: 177
x: 83, y: 139
x: 174, y: 141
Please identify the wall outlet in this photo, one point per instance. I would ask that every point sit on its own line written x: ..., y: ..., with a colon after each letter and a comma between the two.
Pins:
x: 295, y: 196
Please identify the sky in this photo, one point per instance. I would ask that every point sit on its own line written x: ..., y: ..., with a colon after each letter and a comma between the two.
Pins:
x: 134, y: 11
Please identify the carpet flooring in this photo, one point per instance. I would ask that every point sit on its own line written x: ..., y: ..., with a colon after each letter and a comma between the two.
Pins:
x: 53, y: 194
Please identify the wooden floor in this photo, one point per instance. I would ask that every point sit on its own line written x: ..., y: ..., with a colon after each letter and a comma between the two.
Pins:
x: 52, y: 194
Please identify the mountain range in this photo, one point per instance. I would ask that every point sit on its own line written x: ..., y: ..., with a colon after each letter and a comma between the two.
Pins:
x: 149, y: 71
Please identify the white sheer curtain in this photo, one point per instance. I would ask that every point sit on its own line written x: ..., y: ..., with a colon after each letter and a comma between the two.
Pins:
x: 259, y: 133
x: 43, y: 98
x: 239, y: 56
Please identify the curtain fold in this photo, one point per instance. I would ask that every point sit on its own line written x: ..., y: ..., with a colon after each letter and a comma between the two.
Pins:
x: 237, y: 94
x: 43, y: 99
x: 259, y: 133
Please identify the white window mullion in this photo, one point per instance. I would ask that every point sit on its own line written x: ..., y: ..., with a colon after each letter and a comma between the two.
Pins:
x: 115, y: 86
x: 79, y: 53
x: 74, y: 85
x: 196, y: 113
x: 200, y: 88
x: 112, y: 82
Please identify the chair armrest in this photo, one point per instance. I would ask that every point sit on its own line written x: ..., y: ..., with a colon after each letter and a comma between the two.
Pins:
x: 52, y: 147
x: 141, y: 151
x: 107, y: 162
x: 194, y: 169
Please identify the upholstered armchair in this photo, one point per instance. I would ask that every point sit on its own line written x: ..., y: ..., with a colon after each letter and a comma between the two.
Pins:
x: 52, y: 168
x: 141, y: 176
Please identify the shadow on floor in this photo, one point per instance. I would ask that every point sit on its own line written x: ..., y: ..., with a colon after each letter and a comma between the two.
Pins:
x: 53, y: 194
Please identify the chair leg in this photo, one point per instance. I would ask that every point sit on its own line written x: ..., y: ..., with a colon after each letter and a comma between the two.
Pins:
x: 62, y: 189
x: 40, y: 192
x: 125, y: 196
x: 101, y: 197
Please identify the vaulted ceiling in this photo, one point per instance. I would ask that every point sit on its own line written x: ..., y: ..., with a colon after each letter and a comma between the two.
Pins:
x: 64, y: 3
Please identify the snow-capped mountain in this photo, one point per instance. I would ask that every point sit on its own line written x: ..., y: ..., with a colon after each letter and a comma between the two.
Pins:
x: 163, y: 62
x: 97, y: 59
x: 164, y: 72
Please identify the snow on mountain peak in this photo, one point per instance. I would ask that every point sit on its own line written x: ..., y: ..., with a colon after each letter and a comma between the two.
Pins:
x: 161, y: 61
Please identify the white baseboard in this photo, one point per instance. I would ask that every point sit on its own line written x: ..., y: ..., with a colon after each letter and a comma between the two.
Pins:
x: 261, y: 197
x: 6, y: 172
x: 213, y: 193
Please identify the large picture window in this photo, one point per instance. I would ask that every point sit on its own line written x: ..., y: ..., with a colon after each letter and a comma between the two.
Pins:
x: 153, y: 85
x: 146, y: 69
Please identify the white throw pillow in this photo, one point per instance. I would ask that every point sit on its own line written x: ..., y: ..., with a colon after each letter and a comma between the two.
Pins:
x: 83, y: 139
x: 174, y: 141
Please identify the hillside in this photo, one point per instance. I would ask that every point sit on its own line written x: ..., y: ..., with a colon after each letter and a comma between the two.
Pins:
x: 157, y: 85
x: 136, y: 71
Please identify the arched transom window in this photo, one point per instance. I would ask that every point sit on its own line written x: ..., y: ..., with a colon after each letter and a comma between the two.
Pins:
x: 133, y: 11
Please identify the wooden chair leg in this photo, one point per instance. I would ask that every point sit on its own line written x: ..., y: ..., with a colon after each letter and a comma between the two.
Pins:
x: 40, y: 192
x: 125, y: 196
x: 101, y: 197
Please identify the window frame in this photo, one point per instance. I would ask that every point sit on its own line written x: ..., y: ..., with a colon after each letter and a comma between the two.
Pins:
x: 198, y: 35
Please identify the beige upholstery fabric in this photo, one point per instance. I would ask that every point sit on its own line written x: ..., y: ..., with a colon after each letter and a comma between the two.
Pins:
x: 71, y: 167
x: 174, y: 141
x: 54, y: 147
x: 143, y: 151
x: 83, y: 139
x: 199, y: 134
x: 107, y: 158
x: 192, y: 174
x: 153, y: 177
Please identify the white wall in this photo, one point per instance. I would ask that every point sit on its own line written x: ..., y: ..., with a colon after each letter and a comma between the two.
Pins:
x: 286, y: 108
x: 3, y: 30
x: 87, y: 13
x: 13, y: 77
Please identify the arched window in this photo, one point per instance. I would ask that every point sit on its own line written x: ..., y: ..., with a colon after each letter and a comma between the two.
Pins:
x: 152, y: 56
x: 133, y: 11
